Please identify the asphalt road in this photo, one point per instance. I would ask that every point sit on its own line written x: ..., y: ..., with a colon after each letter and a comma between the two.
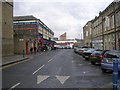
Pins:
x: 60, y: 68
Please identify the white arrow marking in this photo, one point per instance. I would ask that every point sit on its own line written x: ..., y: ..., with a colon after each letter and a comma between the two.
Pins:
x: 62, y: 79
x: 41, y: 78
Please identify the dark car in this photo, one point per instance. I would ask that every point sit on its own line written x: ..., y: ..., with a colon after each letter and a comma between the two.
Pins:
x: 88, y: 53
x: 109, y: 57
x: 97, y: 56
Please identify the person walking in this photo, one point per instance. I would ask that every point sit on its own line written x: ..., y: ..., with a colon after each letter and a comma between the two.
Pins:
x: 35, y: 50
x: 31, y: 50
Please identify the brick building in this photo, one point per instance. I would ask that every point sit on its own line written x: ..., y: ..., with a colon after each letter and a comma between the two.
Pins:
x: 30, y: 32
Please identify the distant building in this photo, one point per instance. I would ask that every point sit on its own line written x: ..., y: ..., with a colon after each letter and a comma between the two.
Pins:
x: 68, y: 43
x: 63, y: 37
x: 31, y: 32
x: 6, y: 22
x: 55, y: 39
x: 79, y: 42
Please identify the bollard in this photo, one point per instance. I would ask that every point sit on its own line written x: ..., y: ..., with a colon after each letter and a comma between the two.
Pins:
x: 115, y: 74
x: 23, y: 53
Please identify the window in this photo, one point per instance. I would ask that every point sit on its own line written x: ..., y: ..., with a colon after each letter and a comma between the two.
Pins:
x: 86, y: 33
x: 113, y: 41
x: 107, y: 22
x: 118, y: 19
x: 112, y: 22
x: 108, y: 41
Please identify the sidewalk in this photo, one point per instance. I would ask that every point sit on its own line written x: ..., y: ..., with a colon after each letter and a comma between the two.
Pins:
x: 16, y: 58
x: 12, y: 59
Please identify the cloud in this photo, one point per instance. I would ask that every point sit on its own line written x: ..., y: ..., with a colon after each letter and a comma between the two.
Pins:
x: 62, y: 16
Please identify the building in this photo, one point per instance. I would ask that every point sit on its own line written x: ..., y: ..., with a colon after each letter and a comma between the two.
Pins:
x: 6, y: 16
x: 64, y: 42
x: 30, y: 32
x: 106, y: 28
x: 68, y: 43
x: 87, y: 33
x: 79, y: 43
x: 55, y: 39
x: 63, y: 37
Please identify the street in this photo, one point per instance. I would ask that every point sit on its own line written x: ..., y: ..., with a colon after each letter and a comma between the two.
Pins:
x: 61, y: 68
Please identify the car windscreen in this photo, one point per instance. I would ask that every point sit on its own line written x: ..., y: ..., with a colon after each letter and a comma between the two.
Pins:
x: 112, y: 55
x: 97, y: 53
x: 91, y: 50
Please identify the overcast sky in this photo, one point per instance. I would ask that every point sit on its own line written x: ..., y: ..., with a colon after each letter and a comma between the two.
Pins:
x: 62, y: 15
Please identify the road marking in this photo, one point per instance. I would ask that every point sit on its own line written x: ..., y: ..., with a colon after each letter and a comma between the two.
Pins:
x: 41, y: 78
x: 50, y: 60
x: 14, y: 86
x: 80, y: 64
x: 38, y: 69
x: 86, y: 72
x: 62, y: 79
x: 73, y: 61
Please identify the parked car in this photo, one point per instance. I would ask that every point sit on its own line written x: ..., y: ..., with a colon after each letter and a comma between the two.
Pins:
x: 109, y: 57
x: 76, y: 49
x: 97, y: 56
x: 82, y: 50
x: 88, y: 53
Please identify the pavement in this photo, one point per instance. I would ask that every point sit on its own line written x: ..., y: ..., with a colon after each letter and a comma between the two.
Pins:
x: 12, y: 59
x: 15, y: 58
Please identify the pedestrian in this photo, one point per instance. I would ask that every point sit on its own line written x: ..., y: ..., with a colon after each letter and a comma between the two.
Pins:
x: 35, y: 50
x: 31, y: 50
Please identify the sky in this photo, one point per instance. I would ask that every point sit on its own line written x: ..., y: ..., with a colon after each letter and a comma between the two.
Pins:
x: 61, y: 16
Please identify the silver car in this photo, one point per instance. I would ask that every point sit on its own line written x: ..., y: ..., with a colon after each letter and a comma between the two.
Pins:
x: 109, y: 57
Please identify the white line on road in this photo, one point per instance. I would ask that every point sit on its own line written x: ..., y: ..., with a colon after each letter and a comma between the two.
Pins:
x: 50, y: 60
x: 14, y: 86
x: 38, y: 69
x: 80, y: 64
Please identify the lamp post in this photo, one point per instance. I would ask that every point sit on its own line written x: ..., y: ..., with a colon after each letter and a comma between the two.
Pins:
x: 114, y: 10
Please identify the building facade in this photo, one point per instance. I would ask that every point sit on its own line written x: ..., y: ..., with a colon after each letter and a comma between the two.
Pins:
x: 6, y: 14
x: 87, y: 33
x: 106, y: 28
x: 30, y: 32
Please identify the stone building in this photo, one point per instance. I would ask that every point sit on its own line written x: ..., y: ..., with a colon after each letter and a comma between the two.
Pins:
x: 6, y: 16
x: 106, y: 28
x: 87, y: 33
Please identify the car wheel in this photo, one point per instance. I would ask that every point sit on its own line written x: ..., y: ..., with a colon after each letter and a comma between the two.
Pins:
x: 92, y: 62
x: 103, y: 70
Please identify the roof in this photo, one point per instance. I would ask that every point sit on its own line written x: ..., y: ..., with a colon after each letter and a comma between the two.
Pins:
x: 19, y: 18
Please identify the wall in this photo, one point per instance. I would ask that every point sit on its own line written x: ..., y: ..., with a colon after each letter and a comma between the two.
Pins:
x: 7, y: 29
